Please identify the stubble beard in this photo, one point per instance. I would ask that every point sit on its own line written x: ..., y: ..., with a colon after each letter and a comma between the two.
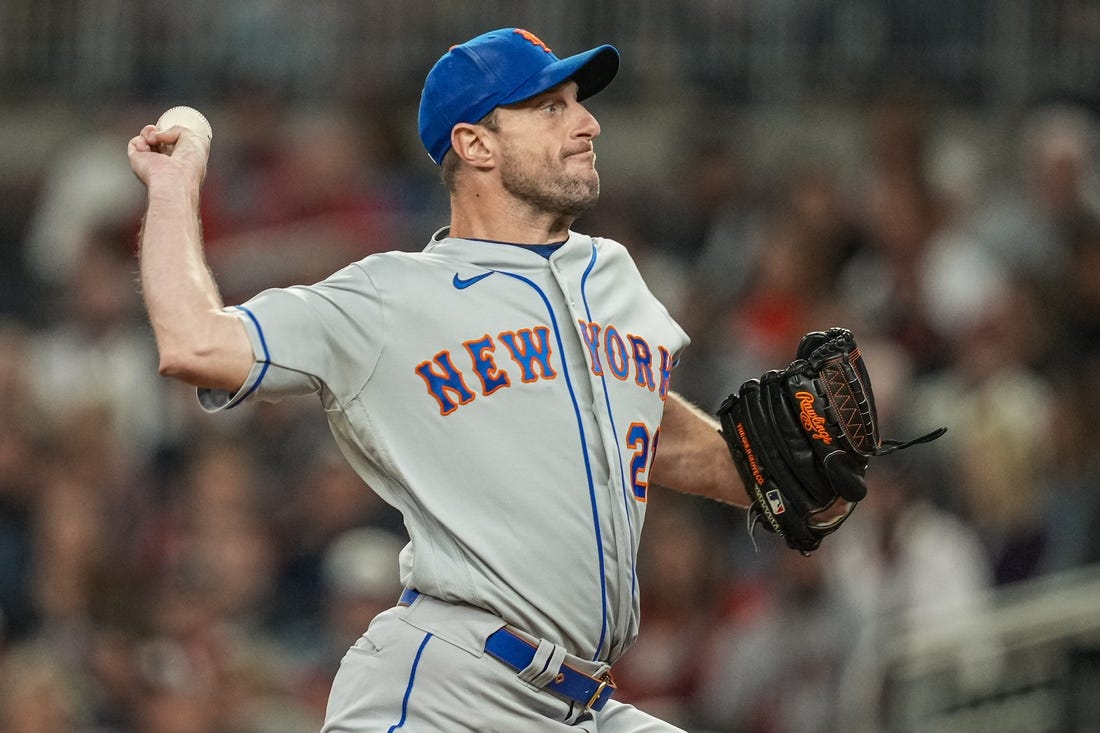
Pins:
x: 546, y: 187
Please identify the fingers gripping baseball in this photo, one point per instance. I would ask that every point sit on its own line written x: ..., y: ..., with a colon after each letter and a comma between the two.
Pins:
x: 187, y: 123
x: 178, y: 145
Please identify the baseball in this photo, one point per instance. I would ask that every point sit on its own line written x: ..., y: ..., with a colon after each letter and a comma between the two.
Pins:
x: 188, y: 117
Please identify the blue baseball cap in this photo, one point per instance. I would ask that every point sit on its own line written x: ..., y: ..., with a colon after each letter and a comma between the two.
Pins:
x: 497, y: 68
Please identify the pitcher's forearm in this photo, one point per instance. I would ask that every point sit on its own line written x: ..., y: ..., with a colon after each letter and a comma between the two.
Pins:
x: 196, y: 341
x: 692, y: 456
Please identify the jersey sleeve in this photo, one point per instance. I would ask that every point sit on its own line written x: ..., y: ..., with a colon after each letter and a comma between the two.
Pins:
x: 322, y: 338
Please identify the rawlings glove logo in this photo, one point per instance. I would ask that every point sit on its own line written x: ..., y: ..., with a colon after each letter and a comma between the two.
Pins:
x: 796, y: 461
x: 813, y: 423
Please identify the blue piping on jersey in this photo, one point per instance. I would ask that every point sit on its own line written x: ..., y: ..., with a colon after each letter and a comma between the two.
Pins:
x: 627, y: 500
x: 584, y: 452
x: 266, y: 362
x: 409, y: 687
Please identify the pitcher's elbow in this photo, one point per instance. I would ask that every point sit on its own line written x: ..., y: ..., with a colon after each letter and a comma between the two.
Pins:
x: 172, y: 364
x: 180, y: 359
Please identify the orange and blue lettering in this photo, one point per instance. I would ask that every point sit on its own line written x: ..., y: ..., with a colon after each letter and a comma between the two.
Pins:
x: 443, y: 381
x: 615, y: 348
x: 531, y: 348
x: 643, y: 362
x: 481, y: 354
x: 590, y: 332
x: 666, y: 371
x: 637, y: 439
x: 532, y: 38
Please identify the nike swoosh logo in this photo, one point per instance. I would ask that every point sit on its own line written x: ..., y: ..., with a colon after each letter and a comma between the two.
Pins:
x: 462, y: 284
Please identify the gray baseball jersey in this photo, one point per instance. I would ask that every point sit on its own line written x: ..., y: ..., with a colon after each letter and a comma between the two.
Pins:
x: 507, y: 403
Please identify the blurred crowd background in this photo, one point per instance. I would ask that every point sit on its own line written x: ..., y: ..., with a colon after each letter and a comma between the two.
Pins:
x: 922, y: 171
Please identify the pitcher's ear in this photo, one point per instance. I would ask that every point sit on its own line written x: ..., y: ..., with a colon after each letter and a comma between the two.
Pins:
x: 475, y: 144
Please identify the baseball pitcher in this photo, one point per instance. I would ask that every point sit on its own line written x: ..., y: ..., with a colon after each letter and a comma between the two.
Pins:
x: 508, y: 389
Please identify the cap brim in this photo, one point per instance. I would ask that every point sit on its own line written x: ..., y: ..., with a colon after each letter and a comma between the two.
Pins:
x: 592, y: 70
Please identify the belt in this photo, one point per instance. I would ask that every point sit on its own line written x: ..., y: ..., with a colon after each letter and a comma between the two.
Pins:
x: 517, y: 652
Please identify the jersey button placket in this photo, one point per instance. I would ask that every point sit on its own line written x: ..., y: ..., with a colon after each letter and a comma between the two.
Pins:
x: 615, y: 518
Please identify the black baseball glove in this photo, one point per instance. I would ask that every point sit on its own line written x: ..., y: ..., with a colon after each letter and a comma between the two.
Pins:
x: 802, y: 438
